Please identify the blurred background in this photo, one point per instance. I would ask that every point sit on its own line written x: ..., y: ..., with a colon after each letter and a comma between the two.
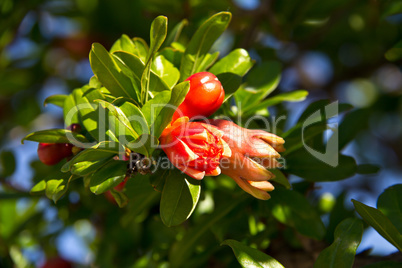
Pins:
x: 343, y: 50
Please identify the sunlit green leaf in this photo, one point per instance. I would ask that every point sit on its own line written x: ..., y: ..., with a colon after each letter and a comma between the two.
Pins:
x: 57, y: 100
x: 108, y: 176
x: 109, y: 74
x: 201, y: 42
x: 251, y: 257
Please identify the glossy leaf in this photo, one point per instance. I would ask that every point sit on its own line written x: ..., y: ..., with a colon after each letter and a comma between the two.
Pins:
x: 137, y: 67
x: 291, y: 208
x: 55, y: 136
x: 57, y: 100
x: 108, y: 176
x: 157, y: 35
x: 124, y: 123
x: 237, y: 62
x: 201, y: 42
x: 165, y: 70
x: 172, y: 55
x: 341, y: 253
x: 380, y: 223
x: 230, y: 82
x: 305, y: 165
x: 109, y: 74
x: 175, y: 33
x: 390, y: 203
x: 179, y: 92
x: 124, y: 43
x: 280, y: 178
x: 179, y: 198
x: 142, y: 48
x: 251, y: 257
x: 134, y: 116
x: 70, y: 111
x: 207, y: 61
x: 294, y: 96
x: 261, y: 81
x: 153, y: 107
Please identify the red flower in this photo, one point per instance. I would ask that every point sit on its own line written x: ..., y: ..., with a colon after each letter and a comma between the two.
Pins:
x: 194, y: 148
x: 252, y: 152
x: 205, y: 96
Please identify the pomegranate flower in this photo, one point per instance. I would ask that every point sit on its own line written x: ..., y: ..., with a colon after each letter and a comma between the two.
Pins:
x: 194, y: 148
x: 253, y: 151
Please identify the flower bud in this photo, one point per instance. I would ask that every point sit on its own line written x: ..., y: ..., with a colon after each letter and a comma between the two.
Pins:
x: 205, y: 96
x: 253, y: 151
x: 194, y: 148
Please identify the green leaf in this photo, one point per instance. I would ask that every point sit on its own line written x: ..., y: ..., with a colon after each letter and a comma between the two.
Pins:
x: 120, y: 197
x: 57, y: 100
x: 230, y: 82
x: 182, y: 250
x: 280, y: 178
x: 7, y: 163
x: 237, y: 62
x: 153, y: 107
x: 250, y: 257
x: 341, y: 253
x: 157, y: 35
x: 94, y: 119
x: 390, y: 203
x: 124, y: 123
x: 142, y: 48
x: 108, y: 176
x: 156, y: 84
x: 294, y: 96
x: 207, y: 61
x: 40, y: 187
x: 179, y: 198
x: 70, y: 111
x: 353, y: 123
x: 380, y: 223
x: 291, y: 208
x: 145, y: 144
x: 134, y: 116
x: 179, y: 92
x: 261, y: 81
x: 56, y: 136
x: 172, y: 55
x: 303, y: 164
x: 202, y: 41
x: 109, y: 74
x: 55, y: 185
x: 367, y: 169
x: 175, y: 33
x: 89, y: 160
x: 124, y: 43
x: 165, y: 70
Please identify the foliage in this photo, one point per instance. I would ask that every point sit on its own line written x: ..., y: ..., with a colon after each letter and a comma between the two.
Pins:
x: 167, y: 218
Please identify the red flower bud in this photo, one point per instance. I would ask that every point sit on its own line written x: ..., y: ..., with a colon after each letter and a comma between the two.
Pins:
x: 252, y: 152
x: 52, y: 153
x: 194, y: 148
x: 205, y: 96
